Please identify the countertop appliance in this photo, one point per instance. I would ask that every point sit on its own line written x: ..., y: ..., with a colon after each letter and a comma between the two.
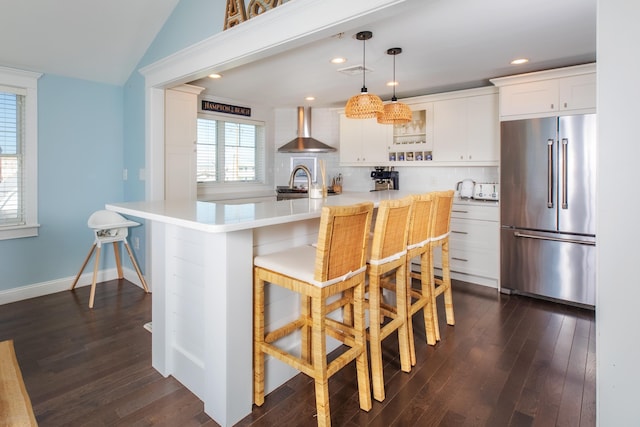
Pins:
x: 465, y: 188
x: 385, y: 179
x: 486, y: 191
x: 548, y: 213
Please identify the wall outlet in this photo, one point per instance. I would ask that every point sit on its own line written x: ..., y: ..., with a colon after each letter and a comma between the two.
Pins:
x: 136, y: 243
x: 141, y: 174
x: 125, y: 174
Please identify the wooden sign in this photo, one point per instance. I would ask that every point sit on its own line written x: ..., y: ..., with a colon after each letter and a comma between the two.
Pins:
x: 226, y: 108
x: 236, y: 14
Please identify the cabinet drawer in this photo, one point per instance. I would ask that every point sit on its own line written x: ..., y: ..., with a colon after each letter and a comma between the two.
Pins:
x: 475, y: 262
x: 489, y: 212
x: 469, y: 233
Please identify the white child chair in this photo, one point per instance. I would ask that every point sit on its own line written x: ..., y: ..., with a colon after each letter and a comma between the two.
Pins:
x: 109, y: 227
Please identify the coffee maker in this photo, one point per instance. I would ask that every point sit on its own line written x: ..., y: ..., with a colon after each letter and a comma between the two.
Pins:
x: 385, y: 179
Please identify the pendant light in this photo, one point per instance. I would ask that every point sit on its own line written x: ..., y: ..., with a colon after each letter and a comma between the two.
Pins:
x: 395, y: 112
x: 363, y: 105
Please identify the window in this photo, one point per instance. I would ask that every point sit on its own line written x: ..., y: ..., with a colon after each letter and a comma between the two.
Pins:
x: 18, y: 153
x: 230, y: 151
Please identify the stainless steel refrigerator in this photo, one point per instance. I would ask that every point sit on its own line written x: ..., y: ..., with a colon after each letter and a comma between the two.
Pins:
x: 548, y: 184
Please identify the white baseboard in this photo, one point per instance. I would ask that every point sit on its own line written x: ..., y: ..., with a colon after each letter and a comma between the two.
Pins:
x: 63, y: 284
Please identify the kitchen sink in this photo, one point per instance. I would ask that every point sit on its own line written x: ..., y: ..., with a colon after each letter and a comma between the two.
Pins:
x: 286, y: 193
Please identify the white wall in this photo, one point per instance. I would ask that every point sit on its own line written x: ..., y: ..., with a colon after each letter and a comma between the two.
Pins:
x: 618, y: 283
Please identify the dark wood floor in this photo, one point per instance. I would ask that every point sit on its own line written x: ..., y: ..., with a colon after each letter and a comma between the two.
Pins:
x: 509, y: 361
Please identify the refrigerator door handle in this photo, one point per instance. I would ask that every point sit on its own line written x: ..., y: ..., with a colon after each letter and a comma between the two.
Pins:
x: 554, y: 239
x: 550, y: 173
x: 565, y: 205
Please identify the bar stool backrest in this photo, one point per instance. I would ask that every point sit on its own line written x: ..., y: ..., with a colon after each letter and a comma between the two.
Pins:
x: 420, y: 223
x: 441, y: 225
x: 391, y: 228
x: 342, y: 240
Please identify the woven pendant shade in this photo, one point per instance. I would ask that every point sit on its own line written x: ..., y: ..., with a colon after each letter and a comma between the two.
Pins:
x: 395, y: 113
x: 363, y: 106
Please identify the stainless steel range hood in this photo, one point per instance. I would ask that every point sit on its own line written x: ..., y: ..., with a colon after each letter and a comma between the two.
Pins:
x: 304, y: 143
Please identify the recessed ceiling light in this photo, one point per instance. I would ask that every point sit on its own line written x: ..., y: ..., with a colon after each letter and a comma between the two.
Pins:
x: 338, y: 60
x: 519, y: 61
x: 215, y: 76
x: 392, y: 83
x: 310, y: 98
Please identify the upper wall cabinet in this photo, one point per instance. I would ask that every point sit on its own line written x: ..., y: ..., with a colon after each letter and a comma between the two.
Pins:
x: 570, y: 90
x: 466, y: 129
x: 364, y: 141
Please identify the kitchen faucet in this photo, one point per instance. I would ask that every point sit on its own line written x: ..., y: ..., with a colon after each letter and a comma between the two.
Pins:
x: 293, y: 175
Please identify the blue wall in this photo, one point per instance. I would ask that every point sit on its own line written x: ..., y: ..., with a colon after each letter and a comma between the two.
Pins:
x: 79, y: 169
x: 88, y: 133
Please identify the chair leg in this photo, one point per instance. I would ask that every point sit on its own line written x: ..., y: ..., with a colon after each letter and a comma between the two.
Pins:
x: 95, y: 277
x: 362, y: 365
x: 412, y: 345
x: 116, y: 251
x: 402, y: 310
x: 84, y: 264
x: 135, y: 265
x: 258, y: 340
x: 305, y: 332
x: 375, y: 345
x: 426, y: 286
x: 446, y: 282
x: 432, y: 292
x: 319, y: 351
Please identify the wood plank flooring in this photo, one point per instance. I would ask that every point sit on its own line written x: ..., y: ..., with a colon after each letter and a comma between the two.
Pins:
x: 509, y: 361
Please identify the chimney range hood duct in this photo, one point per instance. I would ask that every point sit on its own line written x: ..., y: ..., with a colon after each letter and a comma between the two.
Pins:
x: 304, y: 143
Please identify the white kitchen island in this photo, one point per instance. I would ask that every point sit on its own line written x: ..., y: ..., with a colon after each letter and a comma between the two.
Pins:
x: 201, y: 276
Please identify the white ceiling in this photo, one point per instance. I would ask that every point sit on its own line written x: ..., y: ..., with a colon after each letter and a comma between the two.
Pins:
x: 94, y: 40
x: 447, y: 45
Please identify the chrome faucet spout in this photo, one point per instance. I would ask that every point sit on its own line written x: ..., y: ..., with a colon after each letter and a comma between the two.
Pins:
x: 305, y: 170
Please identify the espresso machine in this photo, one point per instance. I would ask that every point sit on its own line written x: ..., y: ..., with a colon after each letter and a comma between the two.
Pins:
x: 385, y: 179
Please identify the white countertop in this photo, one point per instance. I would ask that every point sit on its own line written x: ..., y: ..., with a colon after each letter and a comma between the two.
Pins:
x: 226, y: 216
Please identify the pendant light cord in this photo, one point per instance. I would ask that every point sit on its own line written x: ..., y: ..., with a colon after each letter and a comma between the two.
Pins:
x: 364, y: 65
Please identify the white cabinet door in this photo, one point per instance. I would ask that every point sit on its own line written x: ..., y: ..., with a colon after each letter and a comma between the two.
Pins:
x: 450, y: 130
x: 181, y: 112
x: 578, y: 92
x: 529, y: 98
x: 364, y: 141
x: 467, y: 129
x: 483, y: 128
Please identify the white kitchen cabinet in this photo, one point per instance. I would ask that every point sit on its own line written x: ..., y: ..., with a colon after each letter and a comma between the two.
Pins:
x: 181, y: 114
x: 466, y: 129
x: 474, y: 243
x: 364, y: 141
x: 570, y: 90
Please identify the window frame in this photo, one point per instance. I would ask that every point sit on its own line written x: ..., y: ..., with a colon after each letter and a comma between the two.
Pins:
x: 26, y: 81
x: 211, y: 187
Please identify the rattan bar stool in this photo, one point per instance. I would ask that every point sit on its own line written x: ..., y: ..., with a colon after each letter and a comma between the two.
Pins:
x: 418, y: 246
x: 108, y: 227
x: 440, y: 230
x: 388, y: 260
x: 336, y: 265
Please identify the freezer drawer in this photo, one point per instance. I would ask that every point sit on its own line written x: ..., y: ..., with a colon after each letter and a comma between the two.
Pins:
x: 551, y: 268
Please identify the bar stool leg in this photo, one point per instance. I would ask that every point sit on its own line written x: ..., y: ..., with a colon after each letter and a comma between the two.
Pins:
x: 319, y: 349
x: 362, y: 363
x: 375, y: 344
x: 446, y: 281
x: 258, y: 340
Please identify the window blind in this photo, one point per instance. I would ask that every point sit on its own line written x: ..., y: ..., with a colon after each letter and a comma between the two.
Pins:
x: 12, y: 157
